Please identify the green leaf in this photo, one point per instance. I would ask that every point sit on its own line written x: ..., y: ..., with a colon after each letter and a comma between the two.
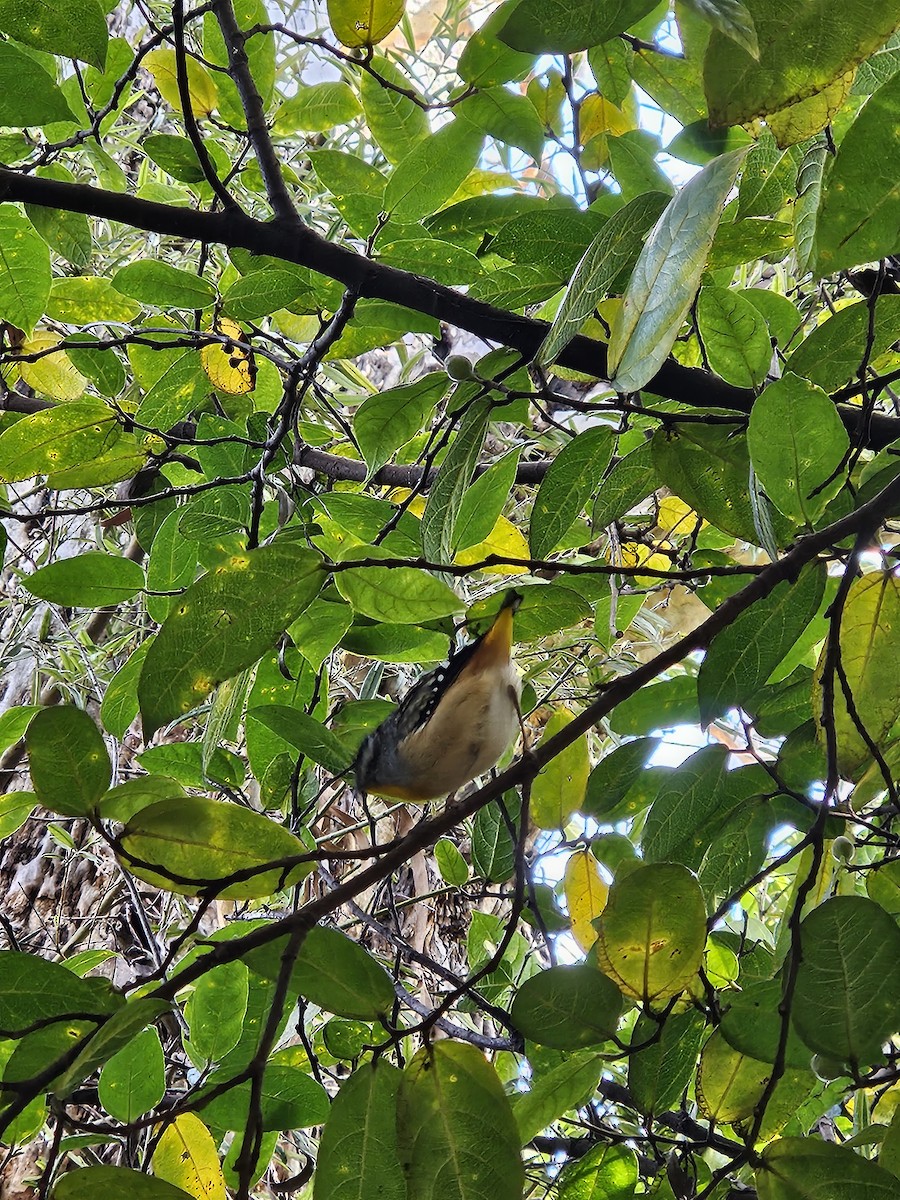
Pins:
x: 290, y: 1099
x: 868, y: 649
x: 333, y: 972
x: 734, y: 336
x: 15, y: 809
x: 195, y: 842
x: 122, y: 802
x: 567, y: 1007
x: 553, y: 236
x: 845, y: 1002
x: 14, y: 722
x: 315, y: 108
x: 604, y: 1173
x: 91, y: 580
x: 629, y: 482
x: 109, y: 1039
x: 28, y: 96
x: 558, y: 790
x: 453, y: 478
x: 134, y: 1080
x: 319, y: 629
x: 223, y: 624
x: 483, y: 502
x: 401, y: 594
x: 806, y: 206
x: 306, y: 734
x: 74, y: 30
x: 506, y: 116
x: 215, y: 1011
x: 653, y: 931
x: 695, y: 800
x: 449, y: 1095
x: 357, y: 188
x: 443, y: 261
x: 119, y: 705
x: 751, y: 1023
x: 388, y: 420
x: 568, y: 25
x: 364, y: 22
x: 397, y: 643
x: 396, y: 122
x: 797, y: 443
x: 810, y: 1169
x: 160, y: 285
x: 486, y: 60
x: 359, y: 1155
x: 667, y: 274
x: 35, y: 991
x: 567, y: 486
x: 661, y: 1063
x: 432, y: 171
x: 612, y: 252
x: 24, y: 261
x: 453, y: 868
x: 565, y: 1087
x: 493, y: 849
x: 68, y: 233
x: 744, y: 655
x: 835, y: 350
x: 732, y: 18
x: 610, y: 781
x: 111, y: 1183
x: 85, y: 298
x: 794, y: 60
x: 70, y: 766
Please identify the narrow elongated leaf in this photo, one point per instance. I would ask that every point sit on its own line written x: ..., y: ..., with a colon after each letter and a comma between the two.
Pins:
x: 586, y: 892
x: 450, y: 486
x: 483, y: 502
x: 308, y: 735
x: 223, y: 624
x: 448, y: 1096
x: 359, y: 1155
x: 667, y: 274
x: 565, y: 489
x: 613, y: 251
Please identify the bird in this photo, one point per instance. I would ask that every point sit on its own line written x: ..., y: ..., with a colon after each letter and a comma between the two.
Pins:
x: 452, y: 725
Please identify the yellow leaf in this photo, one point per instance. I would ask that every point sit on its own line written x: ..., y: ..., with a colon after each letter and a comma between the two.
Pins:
x: 186, y: 1157
x: 677, y: 517
x: 586, y: 894
x: 363, y: 22
x: 559, y: 788
x: 54, y: 374
x: 635, y: 554
x: 504, y: 539
x: 231, y: 368
x: 204, y: 94
x: 801, y: 120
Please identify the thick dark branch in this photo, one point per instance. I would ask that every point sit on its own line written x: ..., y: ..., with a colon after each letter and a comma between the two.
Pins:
x: 373, y: 280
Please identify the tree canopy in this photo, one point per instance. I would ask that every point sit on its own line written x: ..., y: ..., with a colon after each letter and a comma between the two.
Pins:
x: 320, y: 327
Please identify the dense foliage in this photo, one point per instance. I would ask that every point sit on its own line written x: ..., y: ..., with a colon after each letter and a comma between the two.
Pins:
x: 317, y: 330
